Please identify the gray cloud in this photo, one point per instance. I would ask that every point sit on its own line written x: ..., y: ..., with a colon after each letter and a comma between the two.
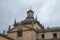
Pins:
x: 48, y: 11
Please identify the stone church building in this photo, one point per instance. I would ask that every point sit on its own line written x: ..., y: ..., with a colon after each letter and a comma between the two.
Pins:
x: 30, y: 29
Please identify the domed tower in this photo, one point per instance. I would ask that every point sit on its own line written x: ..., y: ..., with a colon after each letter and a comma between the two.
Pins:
x: 26, y: 29
x: 30, y: 14
x: 31, y: 21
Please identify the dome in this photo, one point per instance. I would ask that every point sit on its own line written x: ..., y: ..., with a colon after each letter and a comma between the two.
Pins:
x: 30, y: 11
x: 27, y: 21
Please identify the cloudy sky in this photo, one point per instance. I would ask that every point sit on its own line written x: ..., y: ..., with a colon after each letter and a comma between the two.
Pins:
x: 47, y: 11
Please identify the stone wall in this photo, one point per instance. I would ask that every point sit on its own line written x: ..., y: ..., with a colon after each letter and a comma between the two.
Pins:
x: 2, y: 38
x: 28, y: 34
x: 48, y: 35
x: 12, y: 35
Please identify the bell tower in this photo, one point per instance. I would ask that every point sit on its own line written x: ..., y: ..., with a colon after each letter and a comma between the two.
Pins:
x: 30, y: 14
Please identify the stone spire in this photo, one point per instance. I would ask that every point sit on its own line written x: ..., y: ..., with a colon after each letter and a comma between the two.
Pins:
x: 36, y: 17
x: 9, y: 27
x: 30, y: 7
x: 15, y: 22
x: 4, y: 32
x: 48, y: 27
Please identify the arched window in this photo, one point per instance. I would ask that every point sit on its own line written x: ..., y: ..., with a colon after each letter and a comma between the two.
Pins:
x: 20, y: 33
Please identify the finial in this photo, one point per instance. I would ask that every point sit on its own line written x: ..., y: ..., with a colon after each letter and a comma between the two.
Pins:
x: 48, y: 27
x: 15, y: 22
x: 43, y: 25
x: 36, y: 17
x: 9, y: 27
x: 30, y: 7
x: 4, y: 32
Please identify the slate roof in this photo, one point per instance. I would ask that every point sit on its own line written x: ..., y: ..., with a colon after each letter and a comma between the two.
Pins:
x: 54, y: 29
x: 29, y: 21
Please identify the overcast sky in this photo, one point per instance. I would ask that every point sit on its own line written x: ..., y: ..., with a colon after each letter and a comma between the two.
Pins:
x: 47, y: 11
